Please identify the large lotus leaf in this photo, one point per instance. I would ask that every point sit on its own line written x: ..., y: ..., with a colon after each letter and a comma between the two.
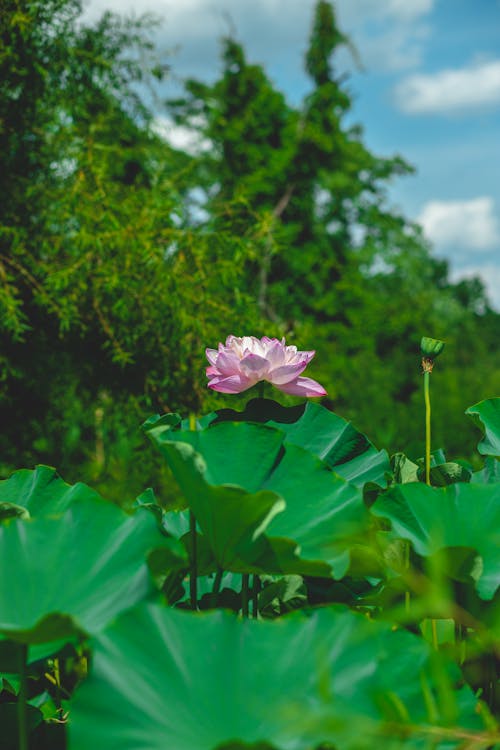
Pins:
x: 489, y: 474
x: 75, y: 572
x: 486, y: 415
x: 241, y: 454
x: 458, y: 516
x: 40, y: 492
x: 234, y: 475
x: 165, y: 678
x: 321, y: 432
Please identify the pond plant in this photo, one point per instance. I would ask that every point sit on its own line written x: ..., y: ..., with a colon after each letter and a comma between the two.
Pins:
x: 309, y: 593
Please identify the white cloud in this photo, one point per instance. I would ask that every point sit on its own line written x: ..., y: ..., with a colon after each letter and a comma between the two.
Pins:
x: 398, y: 10
x: 451, y: 90
x: 398, y: 47
x: 489, y: 275
x: 408, y: 9
x: 180, y: 136
x: 461, y: 225
x: 391, y: 34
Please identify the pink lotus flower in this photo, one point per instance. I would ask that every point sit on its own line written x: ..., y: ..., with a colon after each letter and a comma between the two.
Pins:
x: 244, y: 361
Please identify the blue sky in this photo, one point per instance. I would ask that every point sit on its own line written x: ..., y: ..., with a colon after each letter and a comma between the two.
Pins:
x: 429, y: 90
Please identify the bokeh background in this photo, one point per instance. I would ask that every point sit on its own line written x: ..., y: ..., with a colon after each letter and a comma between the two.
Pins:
x: 322, y: 171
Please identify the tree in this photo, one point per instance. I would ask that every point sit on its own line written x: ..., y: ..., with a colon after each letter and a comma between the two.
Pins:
x: 109, y: 296
x: 337, y: 265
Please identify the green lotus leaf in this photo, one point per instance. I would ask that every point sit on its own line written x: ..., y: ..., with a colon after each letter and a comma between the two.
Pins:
x: 486, y: 415
x: 40, y: 492
x: 442, y: 472
x: 404, y: 469
x: 453, y: 517
x: 237, y: 477
x: 246, y: 746
x: 321, y: 432
x: 11, y: 510
x: 9, y: 682
x: 75, y: 572
x: 282, y: 595
x: 165, y: 678
x: 489, y: 474
x: 446, y: 473
x: 232, y: 520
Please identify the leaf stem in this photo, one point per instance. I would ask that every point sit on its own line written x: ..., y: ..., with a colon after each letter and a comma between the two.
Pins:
x: 22, y: 707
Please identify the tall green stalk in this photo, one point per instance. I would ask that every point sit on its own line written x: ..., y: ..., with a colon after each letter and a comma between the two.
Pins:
x: 430, y: 348
x: 427, y: 399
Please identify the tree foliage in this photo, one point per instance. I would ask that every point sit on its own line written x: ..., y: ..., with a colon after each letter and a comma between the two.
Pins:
x: 340, y: 268
x: 115, y: 274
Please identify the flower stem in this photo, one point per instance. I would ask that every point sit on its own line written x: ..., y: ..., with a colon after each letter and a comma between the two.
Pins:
x: 22, y: 706
x: 427, y: 399
x: 245, y: 580
x: 261, y: 386
x: 427, y: 365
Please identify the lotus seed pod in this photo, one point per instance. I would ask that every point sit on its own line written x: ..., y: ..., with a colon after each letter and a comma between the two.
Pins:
x: 431, y: 348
